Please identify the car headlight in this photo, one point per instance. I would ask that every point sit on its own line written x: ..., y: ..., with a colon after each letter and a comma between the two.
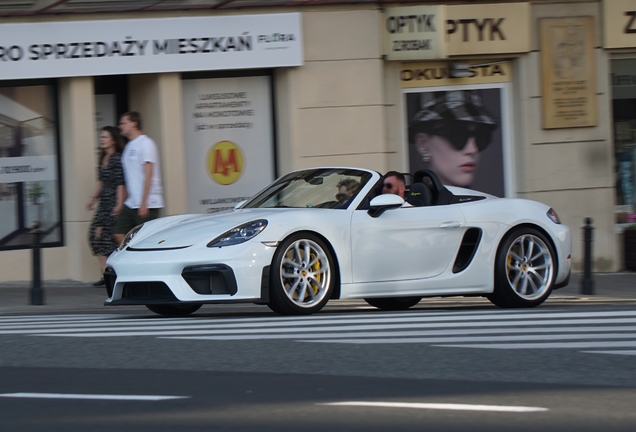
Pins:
x: 130, y: 236
x: 240, y: 234
x: 554, y: 217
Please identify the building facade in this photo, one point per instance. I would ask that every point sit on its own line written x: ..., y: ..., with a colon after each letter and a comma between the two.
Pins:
x: 273, y: 89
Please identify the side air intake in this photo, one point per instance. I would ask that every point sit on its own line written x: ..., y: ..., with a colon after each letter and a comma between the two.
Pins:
x: 467, y: 249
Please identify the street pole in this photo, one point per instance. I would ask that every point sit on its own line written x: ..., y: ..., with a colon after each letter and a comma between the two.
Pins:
x: 587, y: 284
x: 37, y: 293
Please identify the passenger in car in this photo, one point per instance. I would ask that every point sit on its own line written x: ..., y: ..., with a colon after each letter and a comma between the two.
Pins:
x: 347, y: 188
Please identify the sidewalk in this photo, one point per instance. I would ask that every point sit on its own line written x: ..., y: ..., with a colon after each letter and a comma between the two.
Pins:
x: 72, y: 296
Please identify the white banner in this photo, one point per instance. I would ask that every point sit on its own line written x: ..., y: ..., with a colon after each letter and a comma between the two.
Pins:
x: 85, y: 48
x: 228, y: 140
x: 27, y: 169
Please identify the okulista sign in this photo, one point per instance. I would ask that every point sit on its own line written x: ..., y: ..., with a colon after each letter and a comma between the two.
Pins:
x: 236, y: 42
x: 435, y: 74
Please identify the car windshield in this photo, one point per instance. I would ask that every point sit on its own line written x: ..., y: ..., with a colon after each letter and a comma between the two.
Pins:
x: 316, y: 188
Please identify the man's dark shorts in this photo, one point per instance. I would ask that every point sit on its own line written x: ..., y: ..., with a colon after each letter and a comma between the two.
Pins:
x: 129, y: 218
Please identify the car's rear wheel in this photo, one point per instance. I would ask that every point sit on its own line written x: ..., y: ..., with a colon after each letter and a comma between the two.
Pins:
x: 525, y: 269
x: 174, y: 310
x: 393, y: 303
x: 302, y: 275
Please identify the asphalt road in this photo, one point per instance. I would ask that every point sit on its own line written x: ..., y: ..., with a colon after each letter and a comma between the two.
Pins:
x: 448, y: 365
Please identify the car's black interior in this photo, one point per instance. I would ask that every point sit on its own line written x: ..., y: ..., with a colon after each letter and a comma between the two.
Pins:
x: 426, y: 189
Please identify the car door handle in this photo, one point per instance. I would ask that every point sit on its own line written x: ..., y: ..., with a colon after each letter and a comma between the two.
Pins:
x: 450, y: 224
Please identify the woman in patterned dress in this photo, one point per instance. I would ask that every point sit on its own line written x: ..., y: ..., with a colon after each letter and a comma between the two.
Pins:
x: 110, y: 192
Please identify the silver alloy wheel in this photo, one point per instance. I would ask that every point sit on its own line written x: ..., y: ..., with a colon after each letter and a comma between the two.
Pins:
x: 529, y: 267
x: 305, y: 274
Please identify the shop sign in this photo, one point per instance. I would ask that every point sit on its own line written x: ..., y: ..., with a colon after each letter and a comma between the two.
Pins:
x: 228, y: 140
x: 619, y: 23
x: 28, y: 169
x: 568, y: 72
x: 488, y: 29
x: 87, y: 48
x: 429, y: 74
x: 413, y: 32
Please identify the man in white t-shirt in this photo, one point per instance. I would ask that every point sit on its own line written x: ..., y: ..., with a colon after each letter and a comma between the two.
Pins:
x: 140, y: 161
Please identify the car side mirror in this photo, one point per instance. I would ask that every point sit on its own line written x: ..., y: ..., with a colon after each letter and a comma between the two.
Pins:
x: 238, y: 205
x: 384, y: 202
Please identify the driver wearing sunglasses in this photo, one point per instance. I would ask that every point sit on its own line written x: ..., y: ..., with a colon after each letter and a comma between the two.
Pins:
x: 395, y: 183
x: 449, y: 133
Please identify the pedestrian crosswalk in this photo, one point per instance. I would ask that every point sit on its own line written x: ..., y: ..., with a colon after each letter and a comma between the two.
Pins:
x: 598, y: 331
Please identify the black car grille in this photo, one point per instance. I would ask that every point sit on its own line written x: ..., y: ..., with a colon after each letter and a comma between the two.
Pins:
x: 155, y: 291
x: 210, y: 279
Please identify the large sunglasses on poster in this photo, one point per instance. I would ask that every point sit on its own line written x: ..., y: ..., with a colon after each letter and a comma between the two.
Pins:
x: 458, y: 135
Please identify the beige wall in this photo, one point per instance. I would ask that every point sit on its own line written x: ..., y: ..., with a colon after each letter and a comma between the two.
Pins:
x: 332, y: 110
x: 570, y: 169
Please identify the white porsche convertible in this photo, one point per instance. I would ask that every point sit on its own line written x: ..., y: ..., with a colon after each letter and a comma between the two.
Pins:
x: 301, y: 242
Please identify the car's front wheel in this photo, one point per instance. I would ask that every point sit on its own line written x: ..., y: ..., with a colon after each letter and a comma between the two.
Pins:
x: 302, y: 275
x: 174, y: 310
x: 525, y: 269
x: 393, y: 303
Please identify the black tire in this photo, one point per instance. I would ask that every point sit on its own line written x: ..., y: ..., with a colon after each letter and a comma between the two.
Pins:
x: 525, y: 269
x: 174, y: 310
x: 393, y: 303
x: 301, y: 286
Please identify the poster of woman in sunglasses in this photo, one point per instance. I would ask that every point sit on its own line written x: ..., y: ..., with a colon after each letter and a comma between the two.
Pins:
x: 457, y: 134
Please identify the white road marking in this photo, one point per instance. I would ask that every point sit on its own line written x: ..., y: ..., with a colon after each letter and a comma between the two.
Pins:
x: 211, y: 329
x: 352, y: 319
x: 546, y: 345
x: 91, y: 396
x: 487, y: 329
x: 321, y: 333
x: 440, y: 406
x: 47, y: 318
x: 106, y: 330
x: 453, y: 340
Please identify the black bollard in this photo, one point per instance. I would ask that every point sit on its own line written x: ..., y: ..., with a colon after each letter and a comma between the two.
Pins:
x: 587, y: 283
x: 37, y: 293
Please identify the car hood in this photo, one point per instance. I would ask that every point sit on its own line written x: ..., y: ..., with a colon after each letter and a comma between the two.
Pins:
x: 178, y: 232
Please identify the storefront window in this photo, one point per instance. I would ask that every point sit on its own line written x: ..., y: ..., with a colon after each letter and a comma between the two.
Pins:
x: 623, y: 79
x: 29, y: 179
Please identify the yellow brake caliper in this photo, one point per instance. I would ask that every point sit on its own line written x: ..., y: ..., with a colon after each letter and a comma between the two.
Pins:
x: 318, y: 276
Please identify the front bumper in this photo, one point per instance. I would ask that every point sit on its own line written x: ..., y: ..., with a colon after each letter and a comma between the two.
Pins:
x: 191, y: 275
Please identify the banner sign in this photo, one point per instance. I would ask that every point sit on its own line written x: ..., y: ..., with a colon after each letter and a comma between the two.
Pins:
x: 619, y: 23
x: 443, y: 31
x: 429, y: 74
x: 109, y: 47
x: 488, y: 28
x: 228, y: 140
x: 413, y: 32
